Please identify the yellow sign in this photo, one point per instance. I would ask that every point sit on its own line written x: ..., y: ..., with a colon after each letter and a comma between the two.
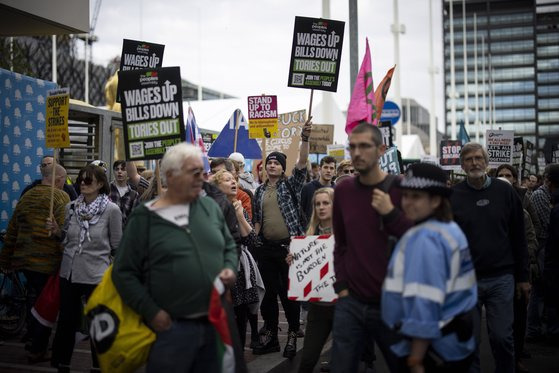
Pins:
x: 263, y: 128
x: 58, y: 105
x: 337, y: 151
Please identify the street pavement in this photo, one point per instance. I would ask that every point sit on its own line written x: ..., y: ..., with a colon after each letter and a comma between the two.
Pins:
x: 545, y: 357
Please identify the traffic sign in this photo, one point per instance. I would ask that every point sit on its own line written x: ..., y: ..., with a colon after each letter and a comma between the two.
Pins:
x: 390, y: 112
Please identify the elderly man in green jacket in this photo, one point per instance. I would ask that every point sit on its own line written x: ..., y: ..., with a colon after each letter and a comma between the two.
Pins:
x: 172, y: 250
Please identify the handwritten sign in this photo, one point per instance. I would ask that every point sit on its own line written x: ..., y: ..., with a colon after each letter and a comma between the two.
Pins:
x: 262, y: 117
x: 322, y: 135
x: 311, y: 274
x: 58, y: 105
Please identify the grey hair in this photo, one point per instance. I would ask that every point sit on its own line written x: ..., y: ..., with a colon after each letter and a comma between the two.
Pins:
x: 473, y: 147
x: 174, y: 158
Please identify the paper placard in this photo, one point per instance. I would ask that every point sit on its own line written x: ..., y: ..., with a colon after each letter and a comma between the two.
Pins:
x: 262, y: 117
x: 389, y: 161
x: 499, y: 146
x: 58, y: 106
x: 322, y: 135
x: 311, y: 274
x: 450, y: 154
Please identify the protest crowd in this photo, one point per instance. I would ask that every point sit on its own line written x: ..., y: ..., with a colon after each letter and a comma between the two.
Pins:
x: 416, y: 257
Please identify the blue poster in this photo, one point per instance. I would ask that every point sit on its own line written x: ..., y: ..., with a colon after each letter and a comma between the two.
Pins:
x: 22, y: 129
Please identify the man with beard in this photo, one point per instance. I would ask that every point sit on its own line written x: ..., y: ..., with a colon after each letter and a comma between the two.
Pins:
x: 490, y: 213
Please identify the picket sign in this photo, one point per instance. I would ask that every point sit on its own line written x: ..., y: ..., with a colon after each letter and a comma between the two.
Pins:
x: 311, y: 274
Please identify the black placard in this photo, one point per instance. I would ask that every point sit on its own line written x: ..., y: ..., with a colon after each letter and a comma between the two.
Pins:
x: 151, y: 111
x: 316, y: 53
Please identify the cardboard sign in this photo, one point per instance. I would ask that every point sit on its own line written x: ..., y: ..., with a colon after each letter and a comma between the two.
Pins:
x: 322, y: 135
x: 499, y: 146
x: 262, y: 117
x: 58, y: 105
x: 389, y: 161
x: 316, y: 53
x: 311, y: 274
x: 337, y: 151
x: 288, y: 142
x: 518, y: 151
x: 151, y: 111
x: 450, y: 154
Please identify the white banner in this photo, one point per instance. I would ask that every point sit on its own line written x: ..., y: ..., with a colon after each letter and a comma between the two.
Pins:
x: 311, y: 274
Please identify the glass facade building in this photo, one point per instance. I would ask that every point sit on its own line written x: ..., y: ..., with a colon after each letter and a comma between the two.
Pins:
x: 517, y: 63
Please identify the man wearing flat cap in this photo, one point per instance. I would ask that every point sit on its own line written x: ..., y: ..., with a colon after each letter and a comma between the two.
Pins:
x: 277, y: 218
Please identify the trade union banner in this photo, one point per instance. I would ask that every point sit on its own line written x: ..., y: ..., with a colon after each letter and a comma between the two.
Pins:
x: 311, y: 273
x: 151, y: 111
x: 499, y: 146
x: 316, y: 53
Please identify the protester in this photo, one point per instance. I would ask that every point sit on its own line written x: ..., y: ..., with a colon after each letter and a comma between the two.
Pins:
x: 47, y: 161
x: 490, y: 214
x: 121, y: 193
x: 315, y: 171
x: 260, y: 177
x: 137, y: 181
x: 218, y: 164
x: 91, y: 232
x: 551, y: 263
x: 276, y: 216
x: 542, y: 202
x: 429, y: 294
x: 320, y: 314
x: 246, y: 180
x: 248, y: 291
x: 345, y: 167
x: 152, y: 190
x: 28, y: 247
x: 366, y: 213
x: 327, y: 170
x: 172, y: 250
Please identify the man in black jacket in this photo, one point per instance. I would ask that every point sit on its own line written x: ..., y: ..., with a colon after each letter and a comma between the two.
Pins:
x: 490, y: 213
x: 327, y: 172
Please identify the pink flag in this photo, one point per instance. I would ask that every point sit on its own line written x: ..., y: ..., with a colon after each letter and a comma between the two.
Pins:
x: 380, y: 95
x: 363, y: 98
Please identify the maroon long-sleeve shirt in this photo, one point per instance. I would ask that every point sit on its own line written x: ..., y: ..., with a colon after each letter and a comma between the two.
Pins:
x: 361, y: 251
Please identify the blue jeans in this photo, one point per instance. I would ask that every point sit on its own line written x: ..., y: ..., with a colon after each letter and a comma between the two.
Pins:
x: 188, y: 346
x: 355, y: 324
x: 497, y: 295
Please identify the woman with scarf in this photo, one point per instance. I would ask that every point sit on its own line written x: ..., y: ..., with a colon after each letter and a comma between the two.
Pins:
x: 92, y: 231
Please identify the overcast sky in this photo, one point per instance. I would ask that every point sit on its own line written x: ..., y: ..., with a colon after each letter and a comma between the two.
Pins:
x: 243, y: 47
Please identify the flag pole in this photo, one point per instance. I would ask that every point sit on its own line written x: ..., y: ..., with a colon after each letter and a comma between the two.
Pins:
x: 52, y: 186
x: 310, y: 103
x: 236, y: 130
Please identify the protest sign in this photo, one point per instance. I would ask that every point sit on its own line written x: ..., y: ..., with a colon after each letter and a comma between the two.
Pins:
x: 518, y: 151
x: 555, y: 153
x: 151, y: 111
x: 58, y: 105
x: 499, y: 146
x: 337, y: 151
x: 140, y: 55
x: 529, y: 166
x: 311, y: 274
x: 234, y: 138
x: 428, y: 158
x: 288, y: 142
x: 262, y: 117
x: 450, y: 154
x: 389, y: 161
x: 386, y: 130
x: 316, y: 53
x: 322, y: 135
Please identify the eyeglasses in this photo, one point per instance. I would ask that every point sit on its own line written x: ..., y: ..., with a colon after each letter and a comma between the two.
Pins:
x: 88, y: 180
x: 349, y: 171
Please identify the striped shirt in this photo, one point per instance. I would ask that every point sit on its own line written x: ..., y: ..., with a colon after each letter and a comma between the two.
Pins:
x: 27, y: 243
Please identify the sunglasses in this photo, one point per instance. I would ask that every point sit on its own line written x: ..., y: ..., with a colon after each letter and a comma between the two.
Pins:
x: 87, y: 180
x: 349, y: 171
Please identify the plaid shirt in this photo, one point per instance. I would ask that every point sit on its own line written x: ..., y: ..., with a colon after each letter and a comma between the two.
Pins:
x: 126, y: 203
x: 289, y: 208
x: 541, y: 201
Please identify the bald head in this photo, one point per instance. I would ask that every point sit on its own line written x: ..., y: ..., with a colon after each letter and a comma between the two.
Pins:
x: 60, y: 176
